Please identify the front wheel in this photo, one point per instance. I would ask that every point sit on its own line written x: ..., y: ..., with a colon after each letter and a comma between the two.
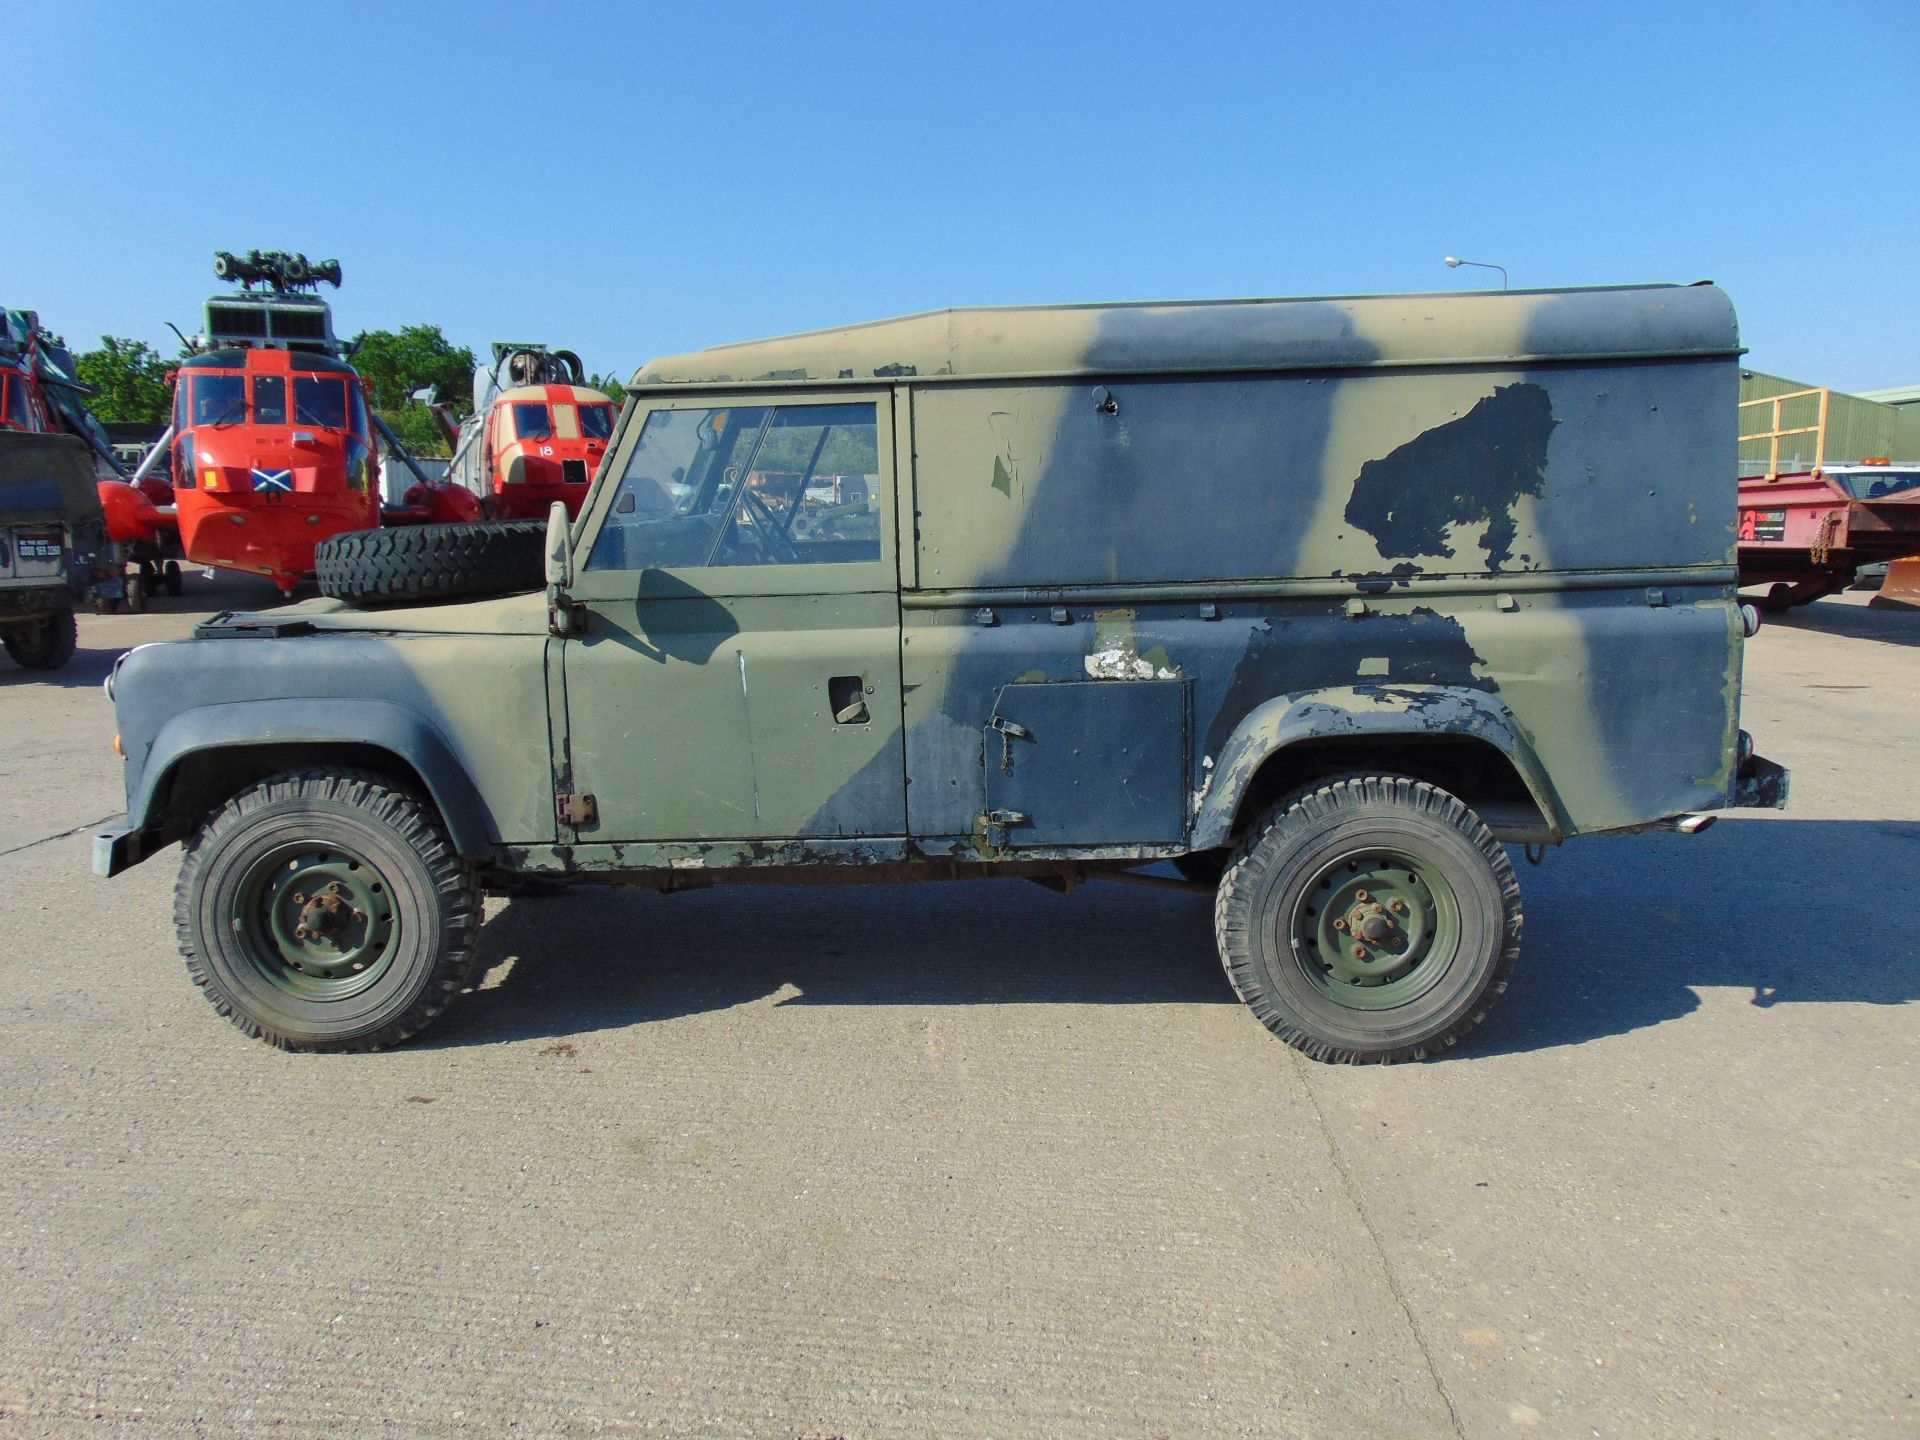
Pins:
x: 327, y: 910
x: 1370, y: 919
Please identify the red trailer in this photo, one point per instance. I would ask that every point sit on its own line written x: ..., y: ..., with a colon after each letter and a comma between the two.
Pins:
x: 1805, y: 534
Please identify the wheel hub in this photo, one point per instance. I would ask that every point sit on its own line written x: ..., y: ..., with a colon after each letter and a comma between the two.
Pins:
x: 1367, y: 924
x: 326, y: 921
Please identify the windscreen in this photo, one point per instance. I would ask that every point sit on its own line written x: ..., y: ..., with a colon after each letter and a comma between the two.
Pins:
x: 219, y: 399
x: 596, y: 421
x: 531, y: 422
x: 320, y: 400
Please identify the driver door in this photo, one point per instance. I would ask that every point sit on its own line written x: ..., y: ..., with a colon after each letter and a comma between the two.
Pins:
x: 739, y: 672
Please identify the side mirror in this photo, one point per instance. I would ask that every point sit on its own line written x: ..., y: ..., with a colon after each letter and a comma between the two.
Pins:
x: 559, y: 547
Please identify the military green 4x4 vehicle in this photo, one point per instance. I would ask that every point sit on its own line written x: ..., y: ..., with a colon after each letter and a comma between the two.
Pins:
x: 1321, y: 600
x: 53, y: 544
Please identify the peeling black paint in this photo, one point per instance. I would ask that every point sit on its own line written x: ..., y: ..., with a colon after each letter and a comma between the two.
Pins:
x: 1465, y: 471
x: 1296, y: 653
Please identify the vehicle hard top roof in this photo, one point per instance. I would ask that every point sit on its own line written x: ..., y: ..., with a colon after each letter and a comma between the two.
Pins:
x: 1171, y: 337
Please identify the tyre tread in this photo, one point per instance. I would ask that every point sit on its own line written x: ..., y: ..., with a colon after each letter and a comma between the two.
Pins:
x: 456, y: 884
x: 397, y: 564
x: 1234, y: 910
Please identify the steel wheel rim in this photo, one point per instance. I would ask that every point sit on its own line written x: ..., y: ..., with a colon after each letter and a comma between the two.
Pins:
x: 316, y: 921
x: 1375, y: 928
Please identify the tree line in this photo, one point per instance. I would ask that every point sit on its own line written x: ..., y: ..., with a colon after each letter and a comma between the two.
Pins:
x: 130, y: 380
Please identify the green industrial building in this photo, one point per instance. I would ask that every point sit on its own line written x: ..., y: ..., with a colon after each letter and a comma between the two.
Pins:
x: 1789, y: 425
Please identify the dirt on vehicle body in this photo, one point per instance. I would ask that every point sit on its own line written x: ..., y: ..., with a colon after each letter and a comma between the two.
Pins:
x: 1326, y: 598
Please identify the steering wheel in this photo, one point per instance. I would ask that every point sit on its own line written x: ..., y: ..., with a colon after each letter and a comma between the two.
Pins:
x: 766, y: 528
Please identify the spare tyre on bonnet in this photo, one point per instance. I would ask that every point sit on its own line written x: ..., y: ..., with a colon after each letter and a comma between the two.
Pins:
x: 401, y: 564
x: 1324, y: 600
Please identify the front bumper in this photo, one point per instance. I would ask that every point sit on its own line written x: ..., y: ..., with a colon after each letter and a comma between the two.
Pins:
x: 1760, y: 785
x: 121, y: 847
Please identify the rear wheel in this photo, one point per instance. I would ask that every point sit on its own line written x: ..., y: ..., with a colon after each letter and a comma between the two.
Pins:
x: 171, y: 579
x: 1369, y: 919
x: 44, y: 644
x: 136, y: 601
x: 327, y: 910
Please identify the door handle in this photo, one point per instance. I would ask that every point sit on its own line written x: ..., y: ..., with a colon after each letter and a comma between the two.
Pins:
x: 847, y: 697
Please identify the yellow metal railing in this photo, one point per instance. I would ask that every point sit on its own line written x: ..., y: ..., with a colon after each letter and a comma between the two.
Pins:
x: 1818, y: 429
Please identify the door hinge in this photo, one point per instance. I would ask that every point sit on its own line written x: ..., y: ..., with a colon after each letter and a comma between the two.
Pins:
x: 577, y: 810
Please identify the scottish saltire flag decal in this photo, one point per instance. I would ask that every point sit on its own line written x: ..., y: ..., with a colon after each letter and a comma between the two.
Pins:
x: 271, y: 480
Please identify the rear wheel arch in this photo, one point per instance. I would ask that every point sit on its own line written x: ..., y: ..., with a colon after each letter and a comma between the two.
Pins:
x: 1464, y: 742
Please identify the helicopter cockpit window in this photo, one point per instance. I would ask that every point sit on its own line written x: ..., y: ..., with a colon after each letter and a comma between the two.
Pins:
x: 269, y: 399
x: 596, y: 421
x: 531, y: 422
x: 320, y: 400
x: 219, y: 399
x: 14, y: 410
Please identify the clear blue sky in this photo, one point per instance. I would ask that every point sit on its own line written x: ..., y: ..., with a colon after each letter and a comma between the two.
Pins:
x: 634, y: 179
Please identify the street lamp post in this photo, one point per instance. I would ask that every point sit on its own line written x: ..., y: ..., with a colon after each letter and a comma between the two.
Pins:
x: 1455, y: 262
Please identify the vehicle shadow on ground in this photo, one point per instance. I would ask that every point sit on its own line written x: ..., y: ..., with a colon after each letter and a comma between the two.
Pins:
x: 596, y: 958
x: 1854, y: 622
x: 1620, y: 933
x: 87, y: 669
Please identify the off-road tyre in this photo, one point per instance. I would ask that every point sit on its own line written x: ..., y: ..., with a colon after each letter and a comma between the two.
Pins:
x: 171, y: 580
x: 1292, y: 877
x: 43, y: 644
x: 251, y: 862
x: 402, y: 563
x: 136, y: 601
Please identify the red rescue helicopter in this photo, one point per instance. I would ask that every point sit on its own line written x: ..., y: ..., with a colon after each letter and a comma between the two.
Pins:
x: 273, y: 441
x: 536, y: 434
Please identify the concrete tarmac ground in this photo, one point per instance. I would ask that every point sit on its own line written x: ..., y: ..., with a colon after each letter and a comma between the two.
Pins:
x: 983, y: 1160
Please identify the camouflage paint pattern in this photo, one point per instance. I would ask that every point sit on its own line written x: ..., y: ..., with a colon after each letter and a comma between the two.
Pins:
x: 1504, y: 518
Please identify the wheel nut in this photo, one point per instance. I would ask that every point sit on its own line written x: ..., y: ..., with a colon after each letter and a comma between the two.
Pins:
x: 1341, y: 923
x: 298, y: 898
x: 1359, y: 952
x: 300, y: 933
x: 1399, y: 907
x: 359, y: 915
x: 1362, y: 896
x: 334, y: 888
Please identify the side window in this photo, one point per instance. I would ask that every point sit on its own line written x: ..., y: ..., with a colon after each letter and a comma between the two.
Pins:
x: 812, y: 495
x: 678, y: 489
x: 747, y: 485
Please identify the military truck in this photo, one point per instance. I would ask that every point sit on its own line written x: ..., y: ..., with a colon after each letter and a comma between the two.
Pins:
x: 1321, y: 600
x: 54, y: 552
